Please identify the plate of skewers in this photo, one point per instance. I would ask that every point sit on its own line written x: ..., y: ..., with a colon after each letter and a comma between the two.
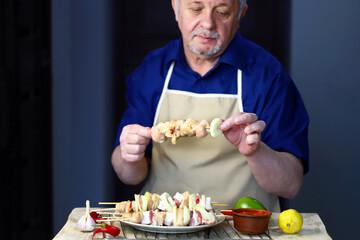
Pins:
x: 181, y: 213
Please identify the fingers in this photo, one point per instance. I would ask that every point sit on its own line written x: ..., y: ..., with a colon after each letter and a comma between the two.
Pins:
x: 253, y: 132
x: 138, y: 130
x: 133, y: 142
x: 135, y: 149
x: 131, y: 152
x: 245, y: 118
x: 244, y: 131
x: 256, y: 127
x: 253, y: 139
x: 238, y: 119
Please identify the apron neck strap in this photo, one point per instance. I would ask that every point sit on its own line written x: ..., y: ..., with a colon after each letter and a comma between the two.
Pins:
x: 167, y: 80
x: 166, y: 83
x: 239, y: 90
x: 168, y: 76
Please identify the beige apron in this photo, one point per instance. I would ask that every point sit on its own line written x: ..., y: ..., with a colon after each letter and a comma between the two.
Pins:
x: 210, y: 166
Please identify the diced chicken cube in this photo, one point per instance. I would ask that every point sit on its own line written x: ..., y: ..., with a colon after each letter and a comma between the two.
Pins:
x: 147, y: 217
x: 195, y: 219
x: 168, y: 219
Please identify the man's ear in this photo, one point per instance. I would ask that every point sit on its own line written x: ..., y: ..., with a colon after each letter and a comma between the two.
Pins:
x: 244, y: 11
x: 173, y: 4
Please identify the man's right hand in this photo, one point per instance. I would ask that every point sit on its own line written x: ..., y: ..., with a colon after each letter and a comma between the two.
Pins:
x: 133, y: 141
x: 128, y: 159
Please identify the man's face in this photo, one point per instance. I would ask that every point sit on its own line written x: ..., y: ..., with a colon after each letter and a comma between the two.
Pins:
x: 207, y: 26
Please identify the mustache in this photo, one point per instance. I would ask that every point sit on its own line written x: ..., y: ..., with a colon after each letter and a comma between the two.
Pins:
x: 205, y: 33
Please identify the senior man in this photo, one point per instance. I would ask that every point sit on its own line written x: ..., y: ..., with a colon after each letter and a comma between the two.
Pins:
x: 212, y: 71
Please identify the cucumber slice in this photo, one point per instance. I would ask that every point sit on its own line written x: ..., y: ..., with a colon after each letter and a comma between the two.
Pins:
x: 175, y: 220
x: 165, y: 199
x: 137, y: 202
x: 146, y: 201
x: 214, y: 127
x: 186, y: 219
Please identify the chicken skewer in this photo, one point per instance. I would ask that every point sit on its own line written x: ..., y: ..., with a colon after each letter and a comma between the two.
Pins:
x: 178, y: 217
x: 184, y: 128
x: 165, y: 202
x: 164, y: 210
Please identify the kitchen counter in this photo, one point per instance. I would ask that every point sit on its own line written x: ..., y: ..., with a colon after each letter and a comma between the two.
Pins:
x: 313, y: 228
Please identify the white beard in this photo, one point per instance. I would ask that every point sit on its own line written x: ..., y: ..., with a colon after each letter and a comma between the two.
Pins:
x: 205, y: 33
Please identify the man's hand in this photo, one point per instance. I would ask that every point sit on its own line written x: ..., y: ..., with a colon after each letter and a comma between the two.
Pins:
x: 133, y: 141
x: 280, y: 173
x: 244, y: 131
x: 128, y: 159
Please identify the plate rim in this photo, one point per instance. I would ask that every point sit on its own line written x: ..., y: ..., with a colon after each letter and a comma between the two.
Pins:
x: 172, y: 229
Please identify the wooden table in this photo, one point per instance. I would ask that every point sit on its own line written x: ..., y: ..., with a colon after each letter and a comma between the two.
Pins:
x: 313, y: 228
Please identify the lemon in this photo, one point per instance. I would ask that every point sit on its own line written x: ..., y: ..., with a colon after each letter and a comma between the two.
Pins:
x: 290, y: 221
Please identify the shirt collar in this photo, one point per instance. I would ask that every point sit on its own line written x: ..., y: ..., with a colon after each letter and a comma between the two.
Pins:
x: 175, y: 51
x: 236, y: 53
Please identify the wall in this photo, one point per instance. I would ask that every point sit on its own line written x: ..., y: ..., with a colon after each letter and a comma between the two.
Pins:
x: 81, y: 103
x: 324, y: 63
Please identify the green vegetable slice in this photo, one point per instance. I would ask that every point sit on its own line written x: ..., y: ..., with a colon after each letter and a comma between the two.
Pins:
x: 214, y: 127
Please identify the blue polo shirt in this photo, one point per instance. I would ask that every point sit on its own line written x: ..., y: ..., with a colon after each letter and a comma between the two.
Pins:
x: 267, y: 90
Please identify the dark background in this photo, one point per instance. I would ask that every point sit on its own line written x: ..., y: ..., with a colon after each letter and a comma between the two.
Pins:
x: 63, y: 65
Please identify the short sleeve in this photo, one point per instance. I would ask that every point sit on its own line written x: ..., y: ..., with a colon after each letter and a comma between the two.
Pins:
x: 286, y: 119
x: 138, y: 110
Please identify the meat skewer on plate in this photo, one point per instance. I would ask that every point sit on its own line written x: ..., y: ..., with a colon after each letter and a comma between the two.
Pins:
x: 178, y: 217
x: 166, y: 210
x: 164, y: 202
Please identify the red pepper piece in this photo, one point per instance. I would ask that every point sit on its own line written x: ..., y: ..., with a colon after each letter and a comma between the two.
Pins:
x: 105, y: 228
x: 95, y: 216
x: 172, y: 131
x: 197, y: 201
x: 227, y: 212
x: 112, y: 230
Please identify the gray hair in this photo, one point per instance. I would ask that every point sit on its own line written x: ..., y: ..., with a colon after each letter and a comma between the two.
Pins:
x: 242, y: 4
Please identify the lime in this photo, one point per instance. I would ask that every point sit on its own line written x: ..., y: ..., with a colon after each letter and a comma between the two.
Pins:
x: 248, y: 202
x: 290, y: 221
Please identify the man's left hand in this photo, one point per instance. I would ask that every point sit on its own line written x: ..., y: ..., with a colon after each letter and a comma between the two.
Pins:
x: 244, y: 131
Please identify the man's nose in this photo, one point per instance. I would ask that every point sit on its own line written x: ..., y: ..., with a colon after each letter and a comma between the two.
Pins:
x: 208, y: 21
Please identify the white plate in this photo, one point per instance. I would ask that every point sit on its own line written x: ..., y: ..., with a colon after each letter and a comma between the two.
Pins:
x: 167, y: 229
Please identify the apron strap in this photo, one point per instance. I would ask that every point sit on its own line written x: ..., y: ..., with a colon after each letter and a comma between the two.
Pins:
x: 166, y: 83
x: 239, y: 92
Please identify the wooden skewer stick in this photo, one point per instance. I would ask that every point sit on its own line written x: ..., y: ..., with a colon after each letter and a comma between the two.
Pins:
x: 222, y: 215
x: 110, y: 220
x: 108, y: 203
x: 114, y: 219
x: 103, y: 209
x: 220, y: 204
x: 115, y: 213
x: 105, y: 220
x: 225, y: 210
